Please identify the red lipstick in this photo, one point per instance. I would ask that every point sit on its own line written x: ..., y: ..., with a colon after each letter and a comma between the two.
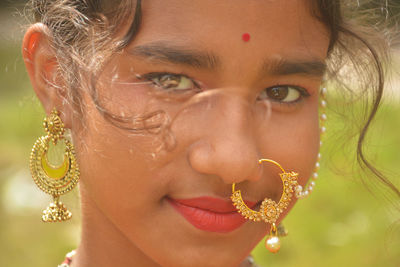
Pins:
x: 210, y: 214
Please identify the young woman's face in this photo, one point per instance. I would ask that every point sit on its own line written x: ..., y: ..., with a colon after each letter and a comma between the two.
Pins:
x: 225, y: 102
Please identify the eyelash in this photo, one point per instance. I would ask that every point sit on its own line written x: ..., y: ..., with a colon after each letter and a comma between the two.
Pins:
x: 153, y: 75
x: 303, y: 94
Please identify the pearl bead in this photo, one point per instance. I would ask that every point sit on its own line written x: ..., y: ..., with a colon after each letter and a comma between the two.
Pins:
x: 273, y: 244
x: 317, y: 166
x: 319, y: 155
x: 323, y: 103
x: 323, y: 129
x: 323, y: 91
x: 71, y: 254
x: 315, y: 175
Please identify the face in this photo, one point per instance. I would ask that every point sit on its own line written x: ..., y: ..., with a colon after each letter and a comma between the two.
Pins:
x: 221, y: 103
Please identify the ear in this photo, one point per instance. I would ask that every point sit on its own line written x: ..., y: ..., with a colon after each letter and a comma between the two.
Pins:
x: 42, y: 66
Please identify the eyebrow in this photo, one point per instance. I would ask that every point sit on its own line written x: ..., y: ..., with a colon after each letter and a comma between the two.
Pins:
x: 314, y: 67
x: 177, y: 55
x: 167, y: 53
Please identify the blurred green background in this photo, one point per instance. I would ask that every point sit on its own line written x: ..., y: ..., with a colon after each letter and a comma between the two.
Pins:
x: 340, y: 224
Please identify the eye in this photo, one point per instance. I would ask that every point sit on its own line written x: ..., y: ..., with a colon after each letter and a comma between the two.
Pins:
x: 171, y: 82
x: 284, y: 93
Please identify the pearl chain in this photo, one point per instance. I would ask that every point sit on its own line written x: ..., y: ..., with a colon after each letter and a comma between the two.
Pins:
x: 299, y: 192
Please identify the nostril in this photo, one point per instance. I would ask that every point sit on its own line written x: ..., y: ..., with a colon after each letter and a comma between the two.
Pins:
x: 253, y: 170
x: 259, y: 172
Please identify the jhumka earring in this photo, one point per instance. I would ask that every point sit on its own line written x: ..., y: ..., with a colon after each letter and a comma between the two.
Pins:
x: 270, y: 210
x: 54, y: 180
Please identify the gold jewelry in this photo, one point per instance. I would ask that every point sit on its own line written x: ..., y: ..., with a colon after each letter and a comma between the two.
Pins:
x: 269, y: 210
x: 54, y: 180
x: 300, y: 192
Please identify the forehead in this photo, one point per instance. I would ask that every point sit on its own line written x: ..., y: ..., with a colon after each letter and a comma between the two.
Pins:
x: 277, y: 28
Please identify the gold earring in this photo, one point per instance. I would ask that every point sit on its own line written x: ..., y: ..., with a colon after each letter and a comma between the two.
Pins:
x: 54, y: 180
x: 269, y: 210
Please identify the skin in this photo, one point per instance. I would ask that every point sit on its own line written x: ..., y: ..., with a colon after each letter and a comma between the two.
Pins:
x: 218, y: 134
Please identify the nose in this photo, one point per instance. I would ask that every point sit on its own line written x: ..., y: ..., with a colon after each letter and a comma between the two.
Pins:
x: 227, y: 146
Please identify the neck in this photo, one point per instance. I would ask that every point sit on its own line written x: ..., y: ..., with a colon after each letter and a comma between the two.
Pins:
x: 102, y: 244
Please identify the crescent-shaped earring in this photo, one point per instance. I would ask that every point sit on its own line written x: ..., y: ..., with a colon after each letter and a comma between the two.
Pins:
x: 54, y: 180
x: 269, y: 210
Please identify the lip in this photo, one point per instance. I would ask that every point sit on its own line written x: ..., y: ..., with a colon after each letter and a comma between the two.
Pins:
x: 210, y: 214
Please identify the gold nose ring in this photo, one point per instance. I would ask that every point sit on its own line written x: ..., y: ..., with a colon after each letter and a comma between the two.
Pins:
x: 269, y: 210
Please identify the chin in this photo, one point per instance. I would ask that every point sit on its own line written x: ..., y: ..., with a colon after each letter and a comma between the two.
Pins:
x: 207, y: 254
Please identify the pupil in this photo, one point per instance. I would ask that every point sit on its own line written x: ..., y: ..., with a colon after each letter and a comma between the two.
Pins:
x: 169, y: 81
x: 277, y: 93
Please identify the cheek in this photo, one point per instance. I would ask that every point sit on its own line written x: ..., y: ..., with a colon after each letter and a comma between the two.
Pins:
x: 303, y: 146
x: 305, y: 149
x: 116, y: 166
x: 295, y: 145
x: 292, y: 139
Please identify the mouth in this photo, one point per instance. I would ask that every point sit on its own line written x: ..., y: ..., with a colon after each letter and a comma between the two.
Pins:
x: 210, y: 214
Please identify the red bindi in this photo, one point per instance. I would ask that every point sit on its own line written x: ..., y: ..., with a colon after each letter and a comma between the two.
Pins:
x: 246, y: 37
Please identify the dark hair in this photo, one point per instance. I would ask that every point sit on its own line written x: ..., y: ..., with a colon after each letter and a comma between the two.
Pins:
x: 356, y: 41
